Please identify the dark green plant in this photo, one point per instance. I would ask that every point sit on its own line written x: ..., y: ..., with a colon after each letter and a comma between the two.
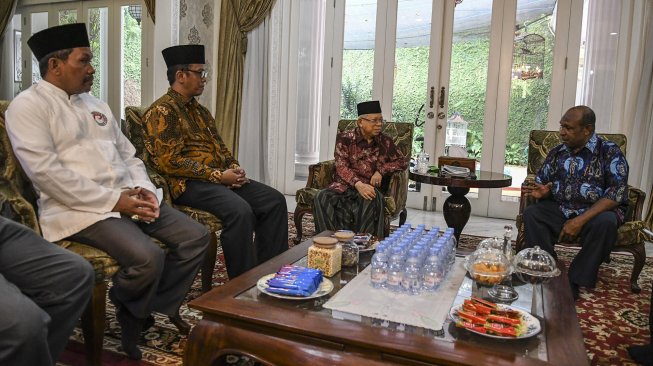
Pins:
x: 474, y: 144
x: 515, y: 155
x: 350, y: 96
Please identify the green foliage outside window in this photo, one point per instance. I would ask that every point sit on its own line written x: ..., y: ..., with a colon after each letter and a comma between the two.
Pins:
x: 131, y: 50
x: 529, y: 99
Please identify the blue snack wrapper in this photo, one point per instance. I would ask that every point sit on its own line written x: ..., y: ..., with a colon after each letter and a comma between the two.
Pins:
x: 289, y: 292
x: 295, y: 281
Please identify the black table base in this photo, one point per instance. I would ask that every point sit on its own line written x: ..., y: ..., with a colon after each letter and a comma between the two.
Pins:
x: 456, y: 210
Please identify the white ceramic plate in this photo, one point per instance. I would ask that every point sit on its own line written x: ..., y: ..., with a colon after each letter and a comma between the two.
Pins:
x: 325, y: 288
x: 531, y: 323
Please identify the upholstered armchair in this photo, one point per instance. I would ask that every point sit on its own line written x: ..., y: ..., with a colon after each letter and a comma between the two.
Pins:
x: 630, y: 237
x: 133, y: 129
x: 320, y: 175
x: 18, y: 202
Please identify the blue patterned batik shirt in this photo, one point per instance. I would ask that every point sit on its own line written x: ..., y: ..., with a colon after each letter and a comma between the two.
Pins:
x: 598, y: 170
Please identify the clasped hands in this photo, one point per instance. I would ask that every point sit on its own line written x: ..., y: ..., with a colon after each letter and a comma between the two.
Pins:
x: 367, y: 191
x: 138, y: 203
x: 234, y: 178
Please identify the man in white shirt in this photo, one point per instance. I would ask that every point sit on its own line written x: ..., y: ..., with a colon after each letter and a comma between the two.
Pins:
x: 92, y: 189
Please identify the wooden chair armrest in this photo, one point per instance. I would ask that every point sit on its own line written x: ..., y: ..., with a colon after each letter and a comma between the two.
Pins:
x: 160, y: 182
x: 13, y: 206
x: 525, y: 201
x: 398, y: 180
x: 320, y: 175
x: 637, y: 196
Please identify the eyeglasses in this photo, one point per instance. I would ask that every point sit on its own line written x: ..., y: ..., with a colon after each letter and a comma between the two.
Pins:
x: 374, y: 121
x: 203, y: 74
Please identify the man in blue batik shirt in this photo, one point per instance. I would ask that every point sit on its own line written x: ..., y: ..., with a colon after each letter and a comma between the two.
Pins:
x: 582, y: 191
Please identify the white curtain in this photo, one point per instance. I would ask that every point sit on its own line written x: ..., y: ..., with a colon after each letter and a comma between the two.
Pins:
x: 637, y: 106
x: 281, y: 108
x: 602, y: 39
x: 254, y: 146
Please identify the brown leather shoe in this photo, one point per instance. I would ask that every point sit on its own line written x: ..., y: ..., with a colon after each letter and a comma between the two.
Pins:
x: 181, y: 324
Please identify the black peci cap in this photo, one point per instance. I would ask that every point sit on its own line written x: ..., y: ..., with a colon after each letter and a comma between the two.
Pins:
x: 185, y: 54
x: 369, y: 107
x: 58, y: 38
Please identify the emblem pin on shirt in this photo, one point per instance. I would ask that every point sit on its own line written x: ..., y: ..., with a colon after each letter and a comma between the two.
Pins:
x: 100, y: 118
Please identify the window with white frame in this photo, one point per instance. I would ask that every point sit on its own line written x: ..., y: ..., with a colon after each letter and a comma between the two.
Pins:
x: 115, y: 31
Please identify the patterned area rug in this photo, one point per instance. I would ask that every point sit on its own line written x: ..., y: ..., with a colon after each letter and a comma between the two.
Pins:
x: 610, y: 316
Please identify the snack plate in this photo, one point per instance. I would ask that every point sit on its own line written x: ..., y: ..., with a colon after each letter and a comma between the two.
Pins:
x: 363, y: 248
x: 531, y: 323
x: 372, y: 246
x: 325, y: 288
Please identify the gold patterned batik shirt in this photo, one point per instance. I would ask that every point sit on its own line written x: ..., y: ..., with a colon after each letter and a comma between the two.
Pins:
x: 183, y: 143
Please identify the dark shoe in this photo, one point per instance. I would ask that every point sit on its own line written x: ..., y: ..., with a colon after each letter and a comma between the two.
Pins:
x: 642, y: 354
x: 181, y: 324
x: 575, y: 291
x: 148, y: 323
x: 131, y: 327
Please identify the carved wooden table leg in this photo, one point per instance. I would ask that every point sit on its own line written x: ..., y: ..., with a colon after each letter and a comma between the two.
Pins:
x: 456, y: 209
x: 202, y: 347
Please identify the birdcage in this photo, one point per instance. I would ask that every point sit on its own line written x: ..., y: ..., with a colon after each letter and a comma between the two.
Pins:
x: 528, y: 57
x: 456, y: 134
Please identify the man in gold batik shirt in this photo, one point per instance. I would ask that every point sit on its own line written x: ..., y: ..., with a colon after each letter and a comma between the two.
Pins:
x: 184, y: 146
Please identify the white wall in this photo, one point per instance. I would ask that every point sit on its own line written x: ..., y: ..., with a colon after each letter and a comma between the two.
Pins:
x: 185, y: 22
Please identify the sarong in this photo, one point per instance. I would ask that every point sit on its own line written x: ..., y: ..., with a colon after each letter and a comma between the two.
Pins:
x: 349, y: 211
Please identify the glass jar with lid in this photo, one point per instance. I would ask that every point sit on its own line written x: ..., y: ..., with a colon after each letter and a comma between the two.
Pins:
x: 350, y: 250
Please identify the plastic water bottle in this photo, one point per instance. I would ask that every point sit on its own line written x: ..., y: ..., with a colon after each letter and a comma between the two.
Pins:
x: 450, y: 246
x: 379, y: 271
x: 411, y: 282
x: 432, y: 274
x: 395, y: 273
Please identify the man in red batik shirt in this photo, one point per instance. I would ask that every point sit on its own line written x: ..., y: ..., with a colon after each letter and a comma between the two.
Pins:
x: 365, y: 159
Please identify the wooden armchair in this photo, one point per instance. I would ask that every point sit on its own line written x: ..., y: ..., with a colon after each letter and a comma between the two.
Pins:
x: 630, y: 237
x: 133, y: 129
x: 18, y: 203
x: 320, y: 175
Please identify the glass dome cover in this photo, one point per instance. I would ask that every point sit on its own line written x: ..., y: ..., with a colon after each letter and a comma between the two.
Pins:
x: 488, y: 265
x: 535, y: 265
x: 491, y: 243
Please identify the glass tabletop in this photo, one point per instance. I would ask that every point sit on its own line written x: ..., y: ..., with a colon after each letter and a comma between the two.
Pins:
x: 532, y: 347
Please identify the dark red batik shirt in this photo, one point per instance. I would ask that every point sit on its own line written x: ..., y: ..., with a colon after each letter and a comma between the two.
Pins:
x: 357, y: 160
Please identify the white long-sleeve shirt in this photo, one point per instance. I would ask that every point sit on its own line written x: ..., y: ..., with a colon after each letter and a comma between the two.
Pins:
x: 74, y: 153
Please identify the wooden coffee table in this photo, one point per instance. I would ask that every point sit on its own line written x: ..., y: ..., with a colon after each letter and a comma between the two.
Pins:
x: 238, y: 319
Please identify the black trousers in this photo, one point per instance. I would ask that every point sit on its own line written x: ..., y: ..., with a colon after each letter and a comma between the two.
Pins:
x: 543, y: 223
x: 150, y: 278
x: 252, y: 208
x: 43, y: 291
